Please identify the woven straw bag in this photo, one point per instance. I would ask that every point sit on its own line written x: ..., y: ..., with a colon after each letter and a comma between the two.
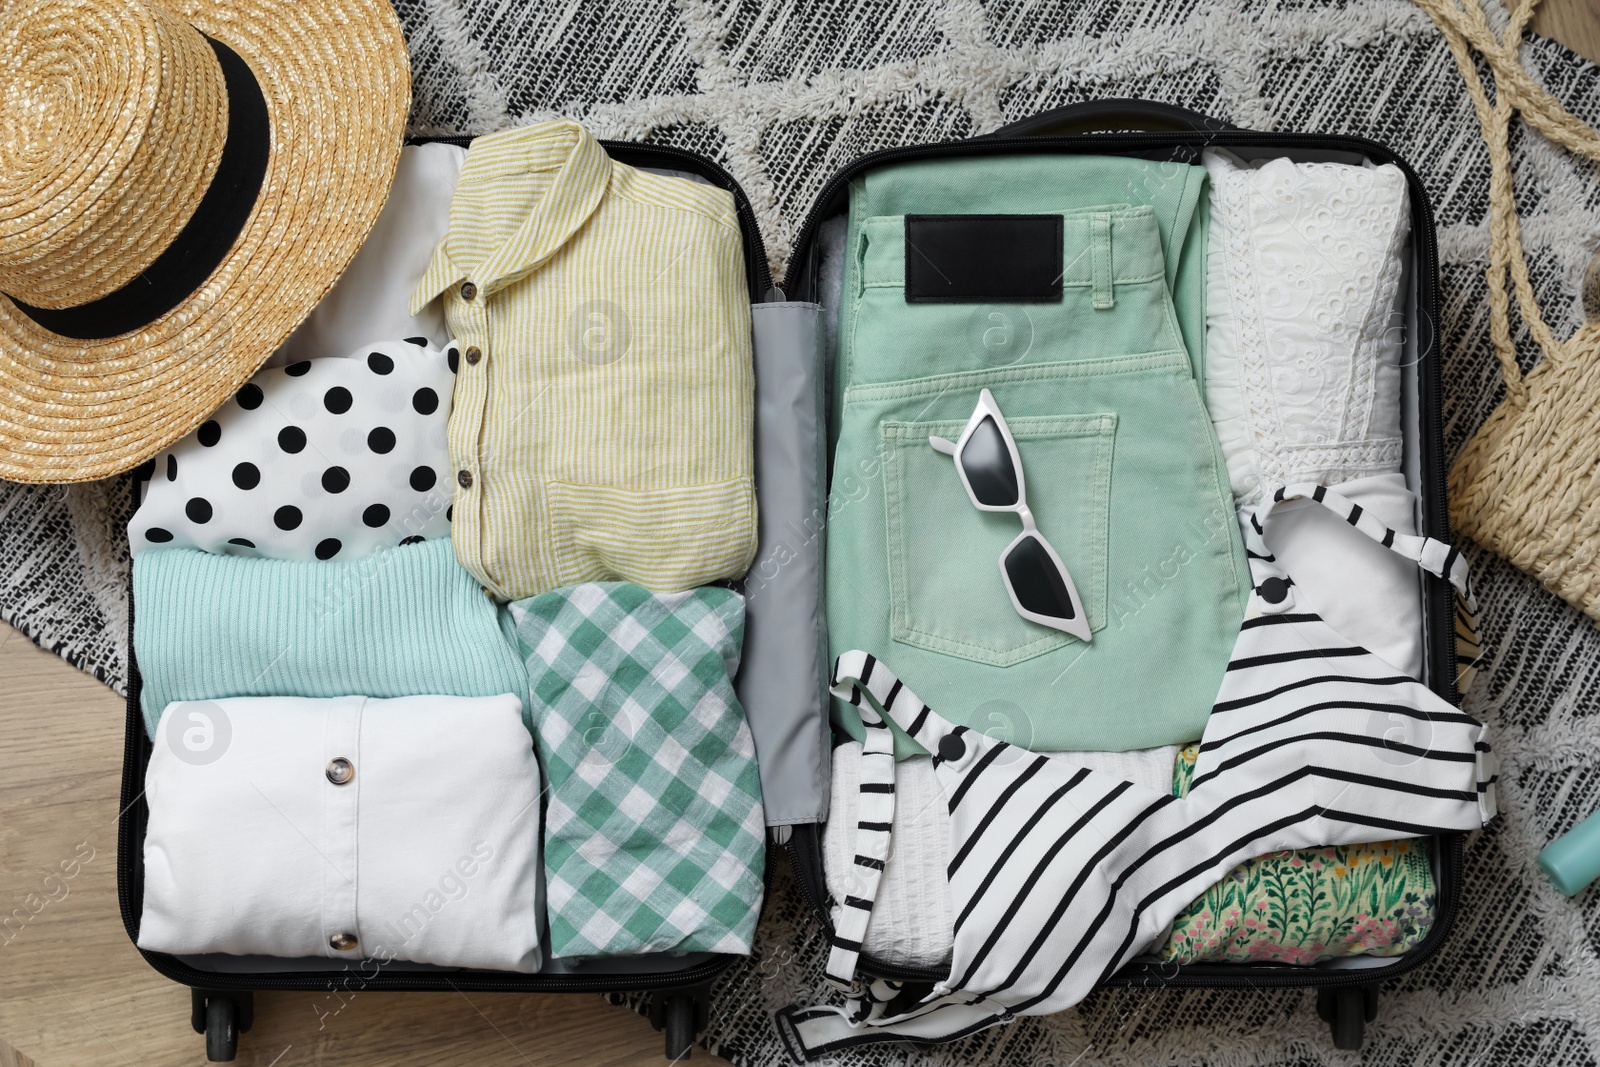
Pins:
x: 1527, y: 486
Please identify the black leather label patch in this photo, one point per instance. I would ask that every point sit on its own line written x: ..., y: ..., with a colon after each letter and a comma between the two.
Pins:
x: 983, y: 259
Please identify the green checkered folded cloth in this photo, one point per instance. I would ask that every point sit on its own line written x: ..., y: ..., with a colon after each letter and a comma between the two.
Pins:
x: 654, y: 836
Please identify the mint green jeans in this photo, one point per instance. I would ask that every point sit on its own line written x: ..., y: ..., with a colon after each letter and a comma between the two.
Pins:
x: 1124, y: 474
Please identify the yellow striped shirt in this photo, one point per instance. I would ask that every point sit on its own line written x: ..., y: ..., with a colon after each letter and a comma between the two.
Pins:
x: 604, y: 399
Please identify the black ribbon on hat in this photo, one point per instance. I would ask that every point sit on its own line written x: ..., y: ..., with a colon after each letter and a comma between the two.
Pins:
x: 204, y: 240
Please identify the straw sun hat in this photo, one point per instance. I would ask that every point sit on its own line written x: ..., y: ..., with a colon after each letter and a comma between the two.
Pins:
x: 180, y: 182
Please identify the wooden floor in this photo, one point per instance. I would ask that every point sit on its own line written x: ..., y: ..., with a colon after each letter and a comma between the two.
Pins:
x: 74, y: 993
x: 1575, y: 23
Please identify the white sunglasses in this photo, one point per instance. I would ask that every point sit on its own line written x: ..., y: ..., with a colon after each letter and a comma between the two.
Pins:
x: 986, y: 458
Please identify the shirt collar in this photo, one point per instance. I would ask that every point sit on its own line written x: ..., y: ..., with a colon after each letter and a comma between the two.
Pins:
x: 583, y: 173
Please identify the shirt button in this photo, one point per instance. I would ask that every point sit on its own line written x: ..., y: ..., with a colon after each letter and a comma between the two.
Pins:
x: 469, y: 291
x: 951, y: 748
x: 473, y: 355
x: 464, y: 479
x: 1274, y: 590
x: 343, y: 942
x: 340, y: 771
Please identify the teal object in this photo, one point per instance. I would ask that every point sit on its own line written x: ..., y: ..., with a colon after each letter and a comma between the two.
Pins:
x: 654, y: 837
x: 1572, y: 860
x: 407, y: 621
x: 1125, y: 476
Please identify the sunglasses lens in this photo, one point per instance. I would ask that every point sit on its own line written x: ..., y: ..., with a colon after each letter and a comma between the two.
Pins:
x: 1037, y: 581
x: 987, y: 461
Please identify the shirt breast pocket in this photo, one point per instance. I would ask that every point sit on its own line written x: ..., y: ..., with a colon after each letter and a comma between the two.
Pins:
x: 663, y: 539
x: 946, y: 590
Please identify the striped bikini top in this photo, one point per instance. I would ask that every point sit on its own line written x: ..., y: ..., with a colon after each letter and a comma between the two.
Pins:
x: 1060, y: 875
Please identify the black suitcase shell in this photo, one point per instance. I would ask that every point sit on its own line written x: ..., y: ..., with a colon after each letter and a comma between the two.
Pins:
x: 222, y: 1002
x: 1346, y: 996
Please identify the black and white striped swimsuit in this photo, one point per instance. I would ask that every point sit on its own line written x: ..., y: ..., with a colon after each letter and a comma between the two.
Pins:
x: 1060, y: 875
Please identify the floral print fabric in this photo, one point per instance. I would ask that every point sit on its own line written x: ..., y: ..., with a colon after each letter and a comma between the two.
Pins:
x: 1301, y: 906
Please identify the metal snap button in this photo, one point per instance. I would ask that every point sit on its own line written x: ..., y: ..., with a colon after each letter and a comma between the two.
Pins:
x: 469, y: 291
x: 464, y: 478
x: 473, y: 355
x: 343, y: 942
x: 1274, y: 590
x: 340, y: 771
x: 951, y: 748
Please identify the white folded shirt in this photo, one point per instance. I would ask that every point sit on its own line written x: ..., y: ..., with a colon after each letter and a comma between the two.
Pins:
x: 429, y: 853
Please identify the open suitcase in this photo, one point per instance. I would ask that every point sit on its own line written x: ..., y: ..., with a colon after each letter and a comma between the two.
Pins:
x: 1347, y: 988
x: 222, y: 986
x: 784, y: 672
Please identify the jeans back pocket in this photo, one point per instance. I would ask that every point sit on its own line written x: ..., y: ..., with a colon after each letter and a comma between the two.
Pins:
x: 945, y: 586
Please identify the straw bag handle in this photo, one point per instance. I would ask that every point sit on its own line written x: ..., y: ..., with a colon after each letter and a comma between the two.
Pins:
x: 1465, y: 27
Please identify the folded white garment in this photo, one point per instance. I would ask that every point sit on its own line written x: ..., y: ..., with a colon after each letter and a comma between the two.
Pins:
x: 1304, y: 334
x: 912, y: 923
x: 351, y: 829
x: 1371, y: 596
x: 1304, y: 341
x: 324, y: 459
x: 369, y: 302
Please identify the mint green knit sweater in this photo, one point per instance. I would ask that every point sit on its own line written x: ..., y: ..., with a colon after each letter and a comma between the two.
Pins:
x: 407, y: 621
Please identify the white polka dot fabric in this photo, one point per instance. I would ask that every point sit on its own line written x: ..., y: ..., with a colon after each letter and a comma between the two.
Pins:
x: 324, y: 459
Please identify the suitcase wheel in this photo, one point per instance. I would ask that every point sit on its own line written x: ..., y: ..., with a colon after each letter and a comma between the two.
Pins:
x: 1347, y: 1012
x: 682, y: 1014
x: 680, y: 1027
x: 221, y: 1017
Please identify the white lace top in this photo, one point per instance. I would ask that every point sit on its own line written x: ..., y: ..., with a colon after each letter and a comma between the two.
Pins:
x: 1303, y: 327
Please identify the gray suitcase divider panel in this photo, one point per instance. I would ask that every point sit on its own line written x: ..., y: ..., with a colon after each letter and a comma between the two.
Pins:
x: 783, y: 673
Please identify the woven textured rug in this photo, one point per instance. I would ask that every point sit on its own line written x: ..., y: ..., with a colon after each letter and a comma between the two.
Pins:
x: 782, y: 93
